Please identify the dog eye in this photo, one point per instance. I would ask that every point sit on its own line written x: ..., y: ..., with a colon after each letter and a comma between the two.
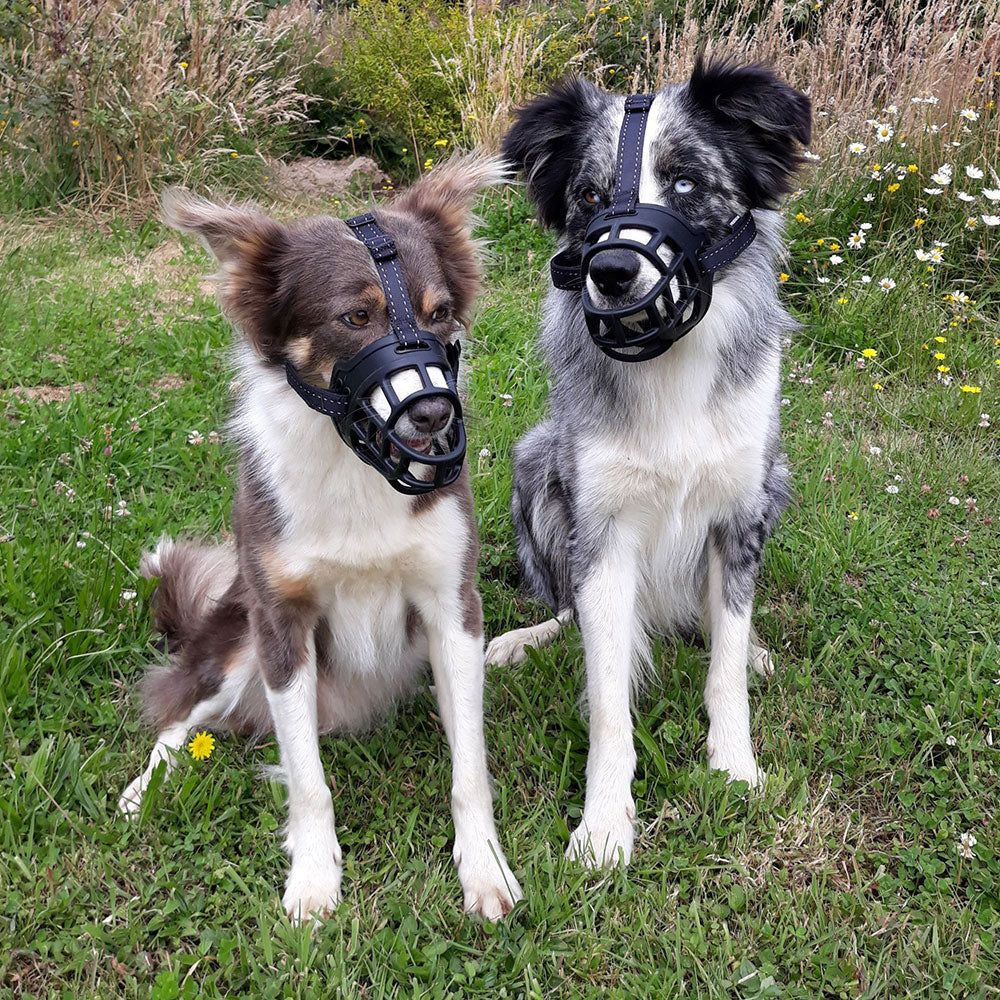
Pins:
x: 684, y: 185
x: 591, y: 197
x: 441, y: 313
x: 357, y: 318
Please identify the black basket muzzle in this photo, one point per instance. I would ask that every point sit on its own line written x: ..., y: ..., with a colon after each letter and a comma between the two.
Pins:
x: 363, y: 400
x: 682, y: 293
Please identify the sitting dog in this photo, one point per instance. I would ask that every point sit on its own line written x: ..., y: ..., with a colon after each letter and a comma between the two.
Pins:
x: 643, y: 501
x: 355, y: 544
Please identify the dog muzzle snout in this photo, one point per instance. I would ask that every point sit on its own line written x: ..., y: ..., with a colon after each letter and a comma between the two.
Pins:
x: 395, y: 403
x: 631, y: 232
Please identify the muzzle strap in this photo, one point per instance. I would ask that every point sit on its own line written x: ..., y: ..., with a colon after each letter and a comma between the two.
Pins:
x: 382, y: 247
x: 333, y: 404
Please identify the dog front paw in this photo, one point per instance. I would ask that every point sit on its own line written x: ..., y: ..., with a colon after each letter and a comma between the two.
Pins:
x: 311, y: 891
x: 738, y: 762
x: 604, y: 842
x: 488, y: 885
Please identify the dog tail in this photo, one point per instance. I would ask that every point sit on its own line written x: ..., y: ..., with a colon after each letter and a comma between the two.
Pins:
x: 512, y: 647
x: 192, y: 578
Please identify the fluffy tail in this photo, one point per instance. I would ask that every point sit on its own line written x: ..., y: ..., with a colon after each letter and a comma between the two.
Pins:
x: 192, y: 580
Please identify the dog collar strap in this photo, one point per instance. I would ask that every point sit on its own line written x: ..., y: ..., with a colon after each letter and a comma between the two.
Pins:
x: 382, y: 247
x: 565, y: 267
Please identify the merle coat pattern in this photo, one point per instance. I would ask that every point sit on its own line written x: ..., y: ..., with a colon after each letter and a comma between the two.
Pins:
x: 643, y: 501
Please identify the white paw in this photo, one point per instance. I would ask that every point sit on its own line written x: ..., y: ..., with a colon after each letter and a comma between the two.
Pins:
x: 507, y: 649
x: 131, y: 800
x: 311, y: 891
x: 605, y: 842
x: 738, y: 761
x: 761, y: 661
x: 488, y: 885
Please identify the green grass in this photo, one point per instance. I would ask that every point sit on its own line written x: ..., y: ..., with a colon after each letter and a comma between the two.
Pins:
x: 841, y: 880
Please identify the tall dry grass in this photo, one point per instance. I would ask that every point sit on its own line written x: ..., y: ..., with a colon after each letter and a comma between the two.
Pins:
x: 109, y: 100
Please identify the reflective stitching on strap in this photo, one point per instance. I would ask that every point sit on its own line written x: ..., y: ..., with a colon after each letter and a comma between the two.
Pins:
x: 731, y: 246
x: 317, y: 399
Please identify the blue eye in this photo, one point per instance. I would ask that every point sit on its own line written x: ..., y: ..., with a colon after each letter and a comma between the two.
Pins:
x: 684, y: 185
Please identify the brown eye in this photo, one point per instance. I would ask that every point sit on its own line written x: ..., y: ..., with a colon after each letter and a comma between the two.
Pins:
x: 357, y: 318
x: 590, y: 197
x: 441, y: 313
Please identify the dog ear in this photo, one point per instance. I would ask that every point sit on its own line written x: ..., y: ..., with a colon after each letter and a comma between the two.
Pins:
x: 542, y: 144
x: 253, y: 286
x: 442, y: 202
x: 771, y: 116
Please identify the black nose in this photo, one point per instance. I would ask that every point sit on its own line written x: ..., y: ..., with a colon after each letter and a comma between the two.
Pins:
x: 613, y: 270
x: 429, y: 415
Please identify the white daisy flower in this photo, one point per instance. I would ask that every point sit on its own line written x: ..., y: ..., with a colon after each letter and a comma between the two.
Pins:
x: 973, y: 173
x: 810, y: 156
x: 933, y: 190
x: 960, y: 297
x: 865, y: 225
x: 936, y: 255
x: 129, y: 595
x: 922, y: 255
x: 887, y: 285
x: 923, y: 210
x: 874, y: 449
x: 965, y: 196
x: 990, y: 220
x: 884, y: 132
x: 969, y: 114
x: 868, y: 197
x: 941, y: 178
x: 892, y: 488
x: 865, y: 279
x: 892, y: 110
x: 857, y: 147
x: 856, y: 240
x: 834, y: 259
x: 941, y: 243
x: 823, y: 280
x: 992, y: 193
x: 930, y: 100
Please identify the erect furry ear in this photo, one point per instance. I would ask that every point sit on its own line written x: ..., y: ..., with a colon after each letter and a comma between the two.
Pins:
x: 769, y: 114
x: 446, y: 194
x: 543, y: 144
x: 442, y: 203
x: 253, y: 286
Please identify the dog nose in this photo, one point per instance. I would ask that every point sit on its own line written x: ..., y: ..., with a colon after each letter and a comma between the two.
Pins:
x: 614, y: 270
x: 429, y: 415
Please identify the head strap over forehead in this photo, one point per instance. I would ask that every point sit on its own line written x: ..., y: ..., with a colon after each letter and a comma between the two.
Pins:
x: 382, y: 247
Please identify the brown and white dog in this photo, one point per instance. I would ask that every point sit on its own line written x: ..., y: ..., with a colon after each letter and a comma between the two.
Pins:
x: 339, y: 589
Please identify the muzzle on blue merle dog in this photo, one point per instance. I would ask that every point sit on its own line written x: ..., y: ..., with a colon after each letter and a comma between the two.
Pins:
x: 682, y: 293
x: 396, y: 400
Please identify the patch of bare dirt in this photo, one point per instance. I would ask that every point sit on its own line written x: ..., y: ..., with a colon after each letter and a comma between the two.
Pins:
x: 167, y: 383
x: 49, y: 393
x: 315, y: 177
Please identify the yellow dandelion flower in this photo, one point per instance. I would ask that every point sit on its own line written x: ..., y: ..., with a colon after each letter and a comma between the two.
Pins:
x: 893, y: 187
x: 183, y: 65
x: 842, y: 301
x: 970, y: 223
x: 201, y: 746
x: 783, y: 277
x: 878, y: 386
x: 76, y: 142
x: 235, y: 156
x: 943, y: 369
x: 941, y: 340
x: 820, y: 242
x: 75, y: 122
x: 852, y: 514
x: 918, y: 222
x: 834, y: 246
x: 970, y: 388
x: 869, y: 352
x: 801, y: 217
x: 911, y: 168
x: 441, y: 142
x: 939, y: 355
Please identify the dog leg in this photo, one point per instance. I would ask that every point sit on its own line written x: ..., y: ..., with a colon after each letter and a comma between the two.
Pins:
x: 512, y: 647
x: 606, y: 607
x: 488, y: 885
x: 289, y: 653
x: 171, y: 739
x: 730, y: 601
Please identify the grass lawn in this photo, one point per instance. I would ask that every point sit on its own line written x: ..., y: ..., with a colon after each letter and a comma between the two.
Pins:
x: 879, y: 731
